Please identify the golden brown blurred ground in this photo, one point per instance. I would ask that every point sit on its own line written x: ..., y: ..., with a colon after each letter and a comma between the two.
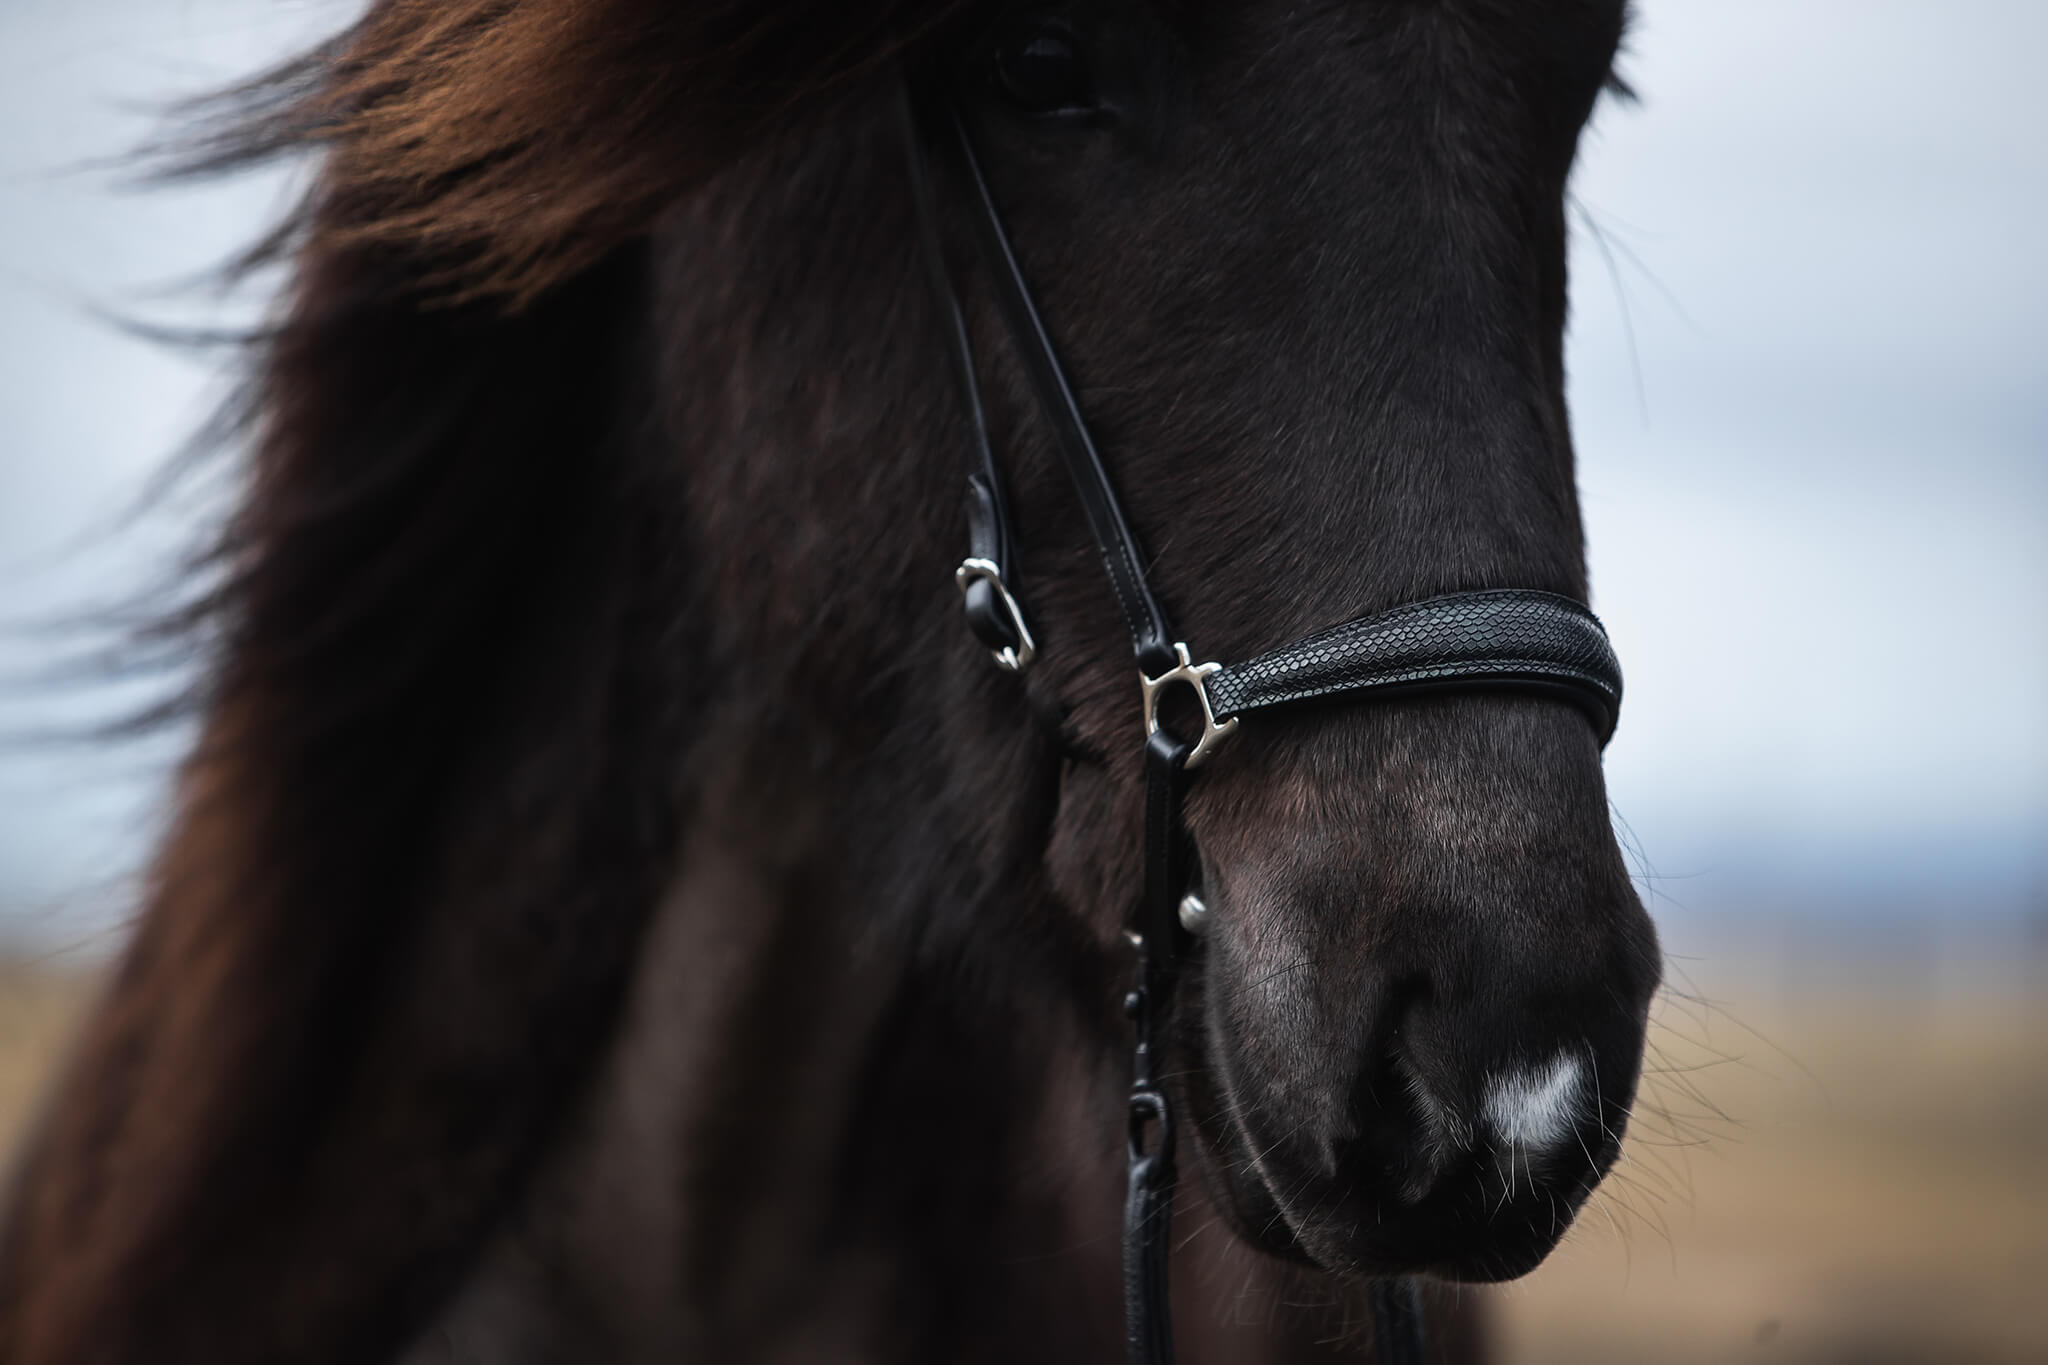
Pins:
x: 1857, y: 1180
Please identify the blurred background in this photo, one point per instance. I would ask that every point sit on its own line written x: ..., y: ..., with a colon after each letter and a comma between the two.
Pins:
x: 1808, y: 357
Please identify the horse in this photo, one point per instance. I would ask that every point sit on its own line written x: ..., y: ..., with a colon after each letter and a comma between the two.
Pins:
x: 614, y: 911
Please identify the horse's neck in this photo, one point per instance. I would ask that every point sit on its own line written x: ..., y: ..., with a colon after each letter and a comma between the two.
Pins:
x: 813, y: 1135
x: 803, y: 1147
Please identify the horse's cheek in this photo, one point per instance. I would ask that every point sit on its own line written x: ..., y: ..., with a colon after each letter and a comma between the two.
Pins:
x: 1091, y: 860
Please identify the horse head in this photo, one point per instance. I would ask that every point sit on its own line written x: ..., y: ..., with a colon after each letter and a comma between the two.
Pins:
x: 1308, y: 266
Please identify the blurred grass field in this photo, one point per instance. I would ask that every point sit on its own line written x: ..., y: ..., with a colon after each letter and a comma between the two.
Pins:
x: 1847, y: 1177
x: 1854, y: 1177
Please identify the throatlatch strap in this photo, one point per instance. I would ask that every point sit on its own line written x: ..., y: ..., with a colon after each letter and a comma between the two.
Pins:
x: 990, y: 616
x: 1151, y: 639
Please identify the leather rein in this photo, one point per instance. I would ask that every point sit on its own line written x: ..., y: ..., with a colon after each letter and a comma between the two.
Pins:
x: 1499, y: 640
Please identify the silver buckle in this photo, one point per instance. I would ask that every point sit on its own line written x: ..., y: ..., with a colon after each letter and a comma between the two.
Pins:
x: 1014, y: 658
x: 1214, y: 736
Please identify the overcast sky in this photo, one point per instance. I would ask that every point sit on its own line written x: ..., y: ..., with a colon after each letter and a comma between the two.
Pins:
x: 1819, y: 527
x: 1807, y: 372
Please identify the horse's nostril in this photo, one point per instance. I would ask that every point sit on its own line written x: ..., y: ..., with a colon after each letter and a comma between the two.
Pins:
x: 1528, y: 1118
x: 1444, y: 1133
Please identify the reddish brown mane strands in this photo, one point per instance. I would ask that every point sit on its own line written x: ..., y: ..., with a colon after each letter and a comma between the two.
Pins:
x: 512, y: 144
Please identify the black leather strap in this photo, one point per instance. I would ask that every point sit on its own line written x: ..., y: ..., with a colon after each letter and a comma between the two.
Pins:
x: 1122, y: 561
x: 989, y: 537
x: 1397, y: 1323
x: 1148, y: 1193
x: 1503, y: 640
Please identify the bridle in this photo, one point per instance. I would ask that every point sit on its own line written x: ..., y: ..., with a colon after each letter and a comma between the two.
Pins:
x: 1508, y: 639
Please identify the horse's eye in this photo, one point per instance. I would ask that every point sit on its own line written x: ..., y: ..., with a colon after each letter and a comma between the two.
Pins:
x: 1041, y: 71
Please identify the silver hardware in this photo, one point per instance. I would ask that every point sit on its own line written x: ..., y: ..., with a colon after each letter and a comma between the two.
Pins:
x: 1194, y: 914
x: 1195, y: 675
x: 1015, y: 659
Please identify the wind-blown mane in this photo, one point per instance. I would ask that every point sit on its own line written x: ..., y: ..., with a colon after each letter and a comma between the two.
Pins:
x: 435, y: 795
x: 515, y: 144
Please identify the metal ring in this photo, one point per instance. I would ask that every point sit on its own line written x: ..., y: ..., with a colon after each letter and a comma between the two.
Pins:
x: 1015, y: 658
x: 1214, y: 734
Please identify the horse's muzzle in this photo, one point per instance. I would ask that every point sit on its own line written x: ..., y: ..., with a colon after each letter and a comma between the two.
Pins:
x: 1457, y: 1136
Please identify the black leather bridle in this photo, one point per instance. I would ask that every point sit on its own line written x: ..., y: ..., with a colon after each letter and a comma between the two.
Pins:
x: 1507, y: 639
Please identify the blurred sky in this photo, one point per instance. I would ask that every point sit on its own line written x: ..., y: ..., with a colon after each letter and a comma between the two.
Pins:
x: 1811, y: 330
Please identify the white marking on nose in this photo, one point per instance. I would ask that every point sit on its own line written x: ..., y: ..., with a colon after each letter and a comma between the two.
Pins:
x: 1533, y: 1109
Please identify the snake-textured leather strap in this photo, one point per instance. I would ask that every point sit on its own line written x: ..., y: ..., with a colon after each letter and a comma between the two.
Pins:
x: 1509, y: 639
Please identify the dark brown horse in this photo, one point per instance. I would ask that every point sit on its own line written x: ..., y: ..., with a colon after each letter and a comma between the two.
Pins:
x: 615, y: 912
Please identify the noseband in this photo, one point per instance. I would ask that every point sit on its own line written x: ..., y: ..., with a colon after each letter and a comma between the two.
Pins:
x: 1508, y: 639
